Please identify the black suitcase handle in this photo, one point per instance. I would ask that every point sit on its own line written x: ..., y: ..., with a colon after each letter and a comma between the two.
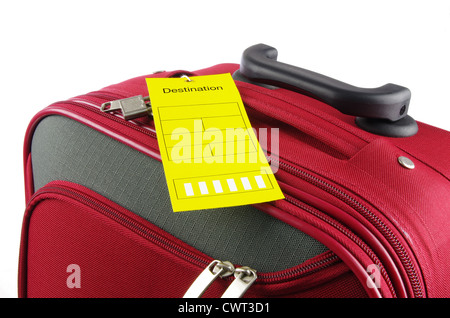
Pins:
x: 381, y: 110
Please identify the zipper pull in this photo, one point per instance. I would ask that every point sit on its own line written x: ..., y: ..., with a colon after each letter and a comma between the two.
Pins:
x: 215, y: 269
x: 132, y: 107
x: 244, y: 278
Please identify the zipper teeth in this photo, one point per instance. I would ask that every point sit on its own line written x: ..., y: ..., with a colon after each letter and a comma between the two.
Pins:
x: 306, y: 269
x: 123, y: 220
x: 348, y: 233
x: 398, y: 247
x: 155, y: 237
x: 103, y: 95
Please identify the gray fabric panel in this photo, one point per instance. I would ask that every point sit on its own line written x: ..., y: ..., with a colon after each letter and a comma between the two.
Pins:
x: 63, y: 149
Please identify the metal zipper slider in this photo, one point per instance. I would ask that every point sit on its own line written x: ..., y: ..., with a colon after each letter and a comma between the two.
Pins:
x: 244, y: 278
x: 132, y: 107
x: 215, y: 269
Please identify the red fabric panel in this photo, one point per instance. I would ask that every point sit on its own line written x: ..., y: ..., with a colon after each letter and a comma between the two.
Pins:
x: 117, y: 260
x: 114, y: 262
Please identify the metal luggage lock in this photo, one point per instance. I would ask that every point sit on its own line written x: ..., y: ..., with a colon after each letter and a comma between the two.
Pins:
x: 131, y: 108
x: 382, y: 110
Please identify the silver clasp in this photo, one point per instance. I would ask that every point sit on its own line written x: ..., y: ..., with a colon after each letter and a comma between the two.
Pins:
x: 132, y: 107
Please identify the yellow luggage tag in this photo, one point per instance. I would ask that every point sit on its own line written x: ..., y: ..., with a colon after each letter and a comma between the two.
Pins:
x: 210, y: 152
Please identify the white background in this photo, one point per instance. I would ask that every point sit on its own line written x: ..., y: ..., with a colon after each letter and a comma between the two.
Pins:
x: 54, y: 50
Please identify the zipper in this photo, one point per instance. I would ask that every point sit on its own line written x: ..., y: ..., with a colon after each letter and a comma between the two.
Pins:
x: 121, y: 219
x: 131, y: 107
x: 214, y: 270
x: 368, y: 214
x: 403, y: 255
x: 244, y: 277
x: 347, y: 232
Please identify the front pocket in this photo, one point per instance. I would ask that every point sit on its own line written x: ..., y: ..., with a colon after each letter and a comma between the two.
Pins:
x: 117, y: 253
x: 77, y: 243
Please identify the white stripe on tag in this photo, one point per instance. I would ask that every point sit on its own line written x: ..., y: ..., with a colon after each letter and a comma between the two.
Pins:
x: 217, y: 186
x: 189, y: 190
x: 246, y: 183
x: 260, y: 182
x: 232, y: 185
x: 203, y: 187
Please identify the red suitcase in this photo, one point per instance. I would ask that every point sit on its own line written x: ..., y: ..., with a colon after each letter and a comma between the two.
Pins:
x: 365, y: 212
